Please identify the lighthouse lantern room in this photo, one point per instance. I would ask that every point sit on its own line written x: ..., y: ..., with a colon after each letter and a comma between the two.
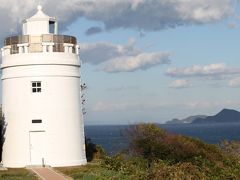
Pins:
x: 41, y: 97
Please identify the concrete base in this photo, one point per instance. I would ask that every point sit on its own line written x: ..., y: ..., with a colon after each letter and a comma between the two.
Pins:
x: 2, y: 168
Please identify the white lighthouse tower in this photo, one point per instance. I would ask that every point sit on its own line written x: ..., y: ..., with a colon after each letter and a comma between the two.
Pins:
x: 41, y: 97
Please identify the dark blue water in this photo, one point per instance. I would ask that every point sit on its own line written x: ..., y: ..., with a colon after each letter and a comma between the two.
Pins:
x: 110, y: 137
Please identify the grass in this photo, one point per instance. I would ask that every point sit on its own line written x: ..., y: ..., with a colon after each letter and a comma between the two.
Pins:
x: 91, y: 171
x: 17, y: 174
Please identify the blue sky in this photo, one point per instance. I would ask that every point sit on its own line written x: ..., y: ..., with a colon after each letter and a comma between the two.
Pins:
x: 151, y: 61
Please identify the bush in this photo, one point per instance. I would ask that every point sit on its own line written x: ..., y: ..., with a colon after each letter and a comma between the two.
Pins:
x: 93, y: 151
x: 231, y: 147
x: 133, y: 167
x: 152, y: 143
x: 162, y: 170
x: 156, y: 154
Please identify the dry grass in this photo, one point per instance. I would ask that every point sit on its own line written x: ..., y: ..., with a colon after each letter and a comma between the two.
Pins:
x: 17, y: 174
x: 91, y: 171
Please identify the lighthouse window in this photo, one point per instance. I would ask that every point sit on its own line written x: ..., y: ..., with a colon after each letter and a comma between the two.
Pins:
x: 36, y: 121
x: 36, y: 87
x: 51, y: 27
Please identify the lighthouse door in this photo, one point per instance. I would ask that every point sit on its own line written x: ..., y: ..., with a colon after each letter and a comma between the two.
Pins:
x: 37, y: 147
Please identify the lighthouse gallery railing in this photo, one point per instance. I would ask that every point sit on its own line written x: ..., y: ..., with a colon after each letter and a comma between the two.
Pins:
x: 43, y: 43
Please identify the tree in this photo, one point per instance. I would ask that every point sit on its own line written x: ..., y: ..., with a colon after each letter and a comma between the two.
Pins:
x: 3, y: 127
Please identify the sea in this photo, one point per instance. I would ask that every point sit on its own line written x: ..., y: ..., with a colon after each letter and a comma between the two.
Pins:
x: 112, y: 139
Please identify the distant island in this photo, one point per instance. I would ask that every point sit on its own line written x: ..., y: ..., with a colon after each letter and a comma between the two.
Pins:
x: 224, y: 116
x: 187, y: 120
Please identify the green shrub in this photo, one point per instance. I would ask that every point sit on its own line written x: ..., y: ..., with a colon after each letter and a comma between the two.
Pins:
x: 162, y: 170
x: 157, y: 154
x: 93, y: 151
x: 133, y: 167
x: 152, y: 143
x: 231, y: 147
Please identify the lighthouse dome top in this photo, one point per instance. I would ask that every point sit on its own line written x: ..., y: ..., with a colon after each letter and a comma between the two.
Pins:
x: 40, y: 15
x: 40, y: 23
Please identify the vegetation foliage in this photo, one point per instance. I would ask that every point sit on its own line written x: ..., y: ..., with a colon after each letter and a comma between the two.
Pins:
x: 93, y: 151
x: 231, y: 147
x: 154, y: 153
x: 3, y: 127
x: 92, y: 171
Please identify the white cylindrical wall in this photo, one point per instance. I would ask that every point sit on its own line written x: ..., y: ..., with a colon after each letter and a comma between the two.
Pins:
x: 58, y: 105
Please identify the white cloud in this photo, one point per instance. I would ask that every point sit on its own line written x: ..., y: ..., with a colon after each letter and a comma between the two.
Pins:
x: 121, y: 58
x: 180, y: 83
x: 99, y: 52
x: 143, y: 15
x: 211, y: 70
x: 12, y: 12
x: 141, y: 61
x: 152, y: 15
x: 234, y: 82
x: 146, y: 15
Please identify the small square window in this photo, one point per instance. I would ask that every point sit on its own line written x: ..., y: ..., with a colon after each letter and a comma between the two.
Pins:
x: 36, y: 87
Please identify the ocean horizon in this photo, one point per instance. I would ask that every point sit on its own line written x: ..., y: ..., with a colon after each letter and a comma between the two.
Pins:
x: 111, y: 137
